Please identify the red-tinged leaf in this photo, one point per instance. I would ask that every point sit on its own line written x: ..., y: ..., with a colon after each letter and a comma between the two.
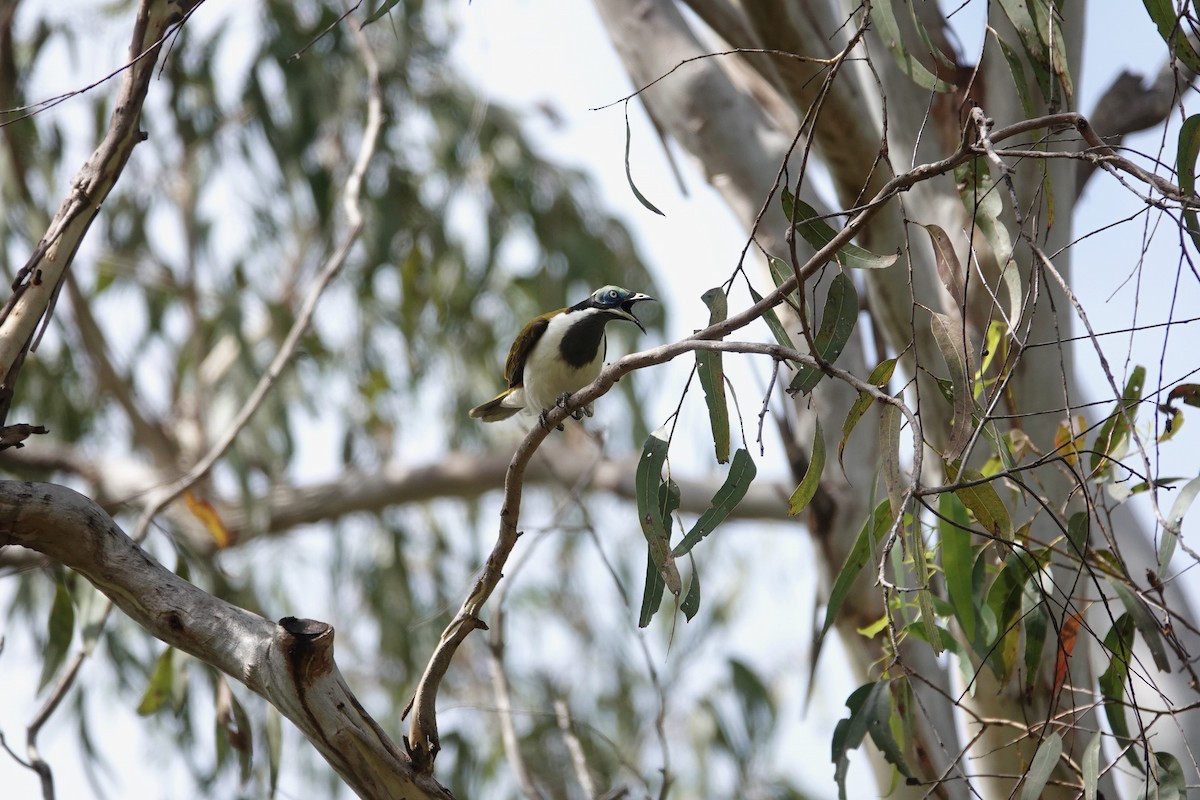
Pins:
x: 205, y: 512
x: 1068, y: 634
x: 1189, y: 393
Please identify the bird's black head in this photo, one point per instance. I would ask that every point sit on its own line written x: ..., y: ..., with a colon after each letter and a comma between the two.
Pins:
x: 617, y: 302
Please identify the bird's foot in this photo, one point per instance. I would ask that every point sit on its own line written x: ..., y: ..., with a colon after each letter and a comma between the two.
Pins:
x: 546, y: 423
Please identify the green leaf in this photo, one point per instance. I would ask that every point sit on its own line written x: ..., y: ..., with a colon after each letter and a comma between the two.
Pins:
x: 629, y: 172
x: 1004, y: 600
x: 274, y: 733
x: 1166, y: 781
x: 772, y: 319
x: 651, y: 513
x: 884, y: 17
x: 818, y: 233
x: 781, y: 271
x: 879, y: 377
x: 950, y: 341
x: 652, y: 594
x: 871, y: 712
x: 1090, y: 767
x: 1119, y: 645
x: 985, y: 504
x: 1042, y: 38
x: 691, y: 600
x: 1044, y: 762
x: 957, y: 560
x: 1145, y: 623
x: 812, y: 476
x: 737, y: 483
x: 858, y: 557
x: 712, y: 377
x: 1078, y: 529
x: 162, y: 679
x: 983, y: 201
x: 889, y: 455
x: 1016, y: 66
x: 837, y: 325
x: 1185, y: 159
x: 387, y: 6
x: 1110, y: 441
x: 1171, y: 30
x: 1174, y: 526
x: 60, y: 629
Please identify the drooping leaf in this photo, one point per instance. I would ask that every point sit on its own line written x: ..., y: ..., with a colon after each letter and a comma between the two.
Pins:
x: 691, y: 600
x: 949, y: 338
x: 733, y: 489
x: 871, y: 713
x: 1174, y: 527
x: 983, y: 201
x: 1170, y: 28
x: 1016, y: 67
x: 780, y: 273
x: 1044, y: 762
x: 1145, y: 623
x: 879, y: 377
x: 1036, y: 623
x: 1186, y: 154
x: 837, y: 325
x: 1042, y: 39
x: 162, y: 679
x: 889, y: 455
x: 772, y: 319
x: 274, y: 735
x: 1119, y: 645
x: 647, y: 480
x: 1068, y: 635
x: 883, y: 15
x: 818, y: 233
x: 652, y: 594
x: 712, y: 377
x: 641, y: 198
x: 1167, y: 781
x: 812, y: 476
x: 1090, y: 767
x: 1110, y: 441
x: 948, y: 266
x: 60, y: 630
x: 985, y: 504
x: 858, y: 557
x: 1005, y: 599
x: 957, y: 560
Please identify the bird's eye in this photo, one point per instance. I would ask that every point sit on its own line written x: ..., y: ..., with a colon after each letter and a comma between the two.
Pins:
x: 612, y: 293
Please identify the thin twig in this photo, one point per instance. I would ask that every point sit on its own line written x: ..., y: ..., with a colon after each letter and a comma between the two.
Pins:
x: 353, y: 210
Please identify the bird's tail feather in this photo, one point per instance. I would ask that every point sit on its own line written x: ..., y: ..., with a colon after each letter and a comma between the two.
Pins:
x: 496, y: 409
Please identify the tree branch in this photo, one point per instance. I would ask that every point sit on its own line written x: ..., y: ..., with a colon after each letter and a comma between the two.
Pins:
x: 38, y: 282
x: 290, y: 664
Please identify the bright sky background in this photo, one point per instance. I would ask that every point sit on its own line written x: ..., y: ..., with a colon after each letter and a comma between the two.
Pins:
x: 532, y: 54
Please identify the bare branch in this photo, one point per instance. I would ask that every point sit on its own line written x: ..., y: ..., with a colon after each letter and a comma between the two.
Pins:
x: 39, y: 280
x: 290, y: 664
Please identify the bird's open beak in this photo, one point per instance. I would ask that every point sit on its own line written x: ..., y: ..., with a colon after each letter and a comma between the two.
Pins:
x: 627, y: 309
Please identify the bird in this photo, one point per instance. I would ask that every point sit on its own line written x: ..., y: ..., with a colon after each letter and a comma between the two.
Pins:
x: 558, y: 354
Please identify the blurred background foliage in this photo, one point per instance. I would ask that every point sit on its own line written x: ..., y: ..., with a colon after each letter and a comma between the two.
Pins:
x: 181, y: 295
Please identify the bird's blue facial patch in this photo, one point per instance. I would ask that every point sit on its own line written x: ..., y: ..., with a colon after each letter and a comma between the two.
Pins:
x: 610, y: 296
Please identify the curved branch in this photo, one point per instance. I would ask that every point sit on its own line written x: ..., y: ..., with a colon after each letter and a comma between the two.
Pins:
x: 289, y: 663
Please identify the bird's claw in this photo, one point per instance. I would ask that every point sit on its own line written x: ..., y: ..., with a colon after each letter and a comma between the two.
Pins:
x: 546, y: 423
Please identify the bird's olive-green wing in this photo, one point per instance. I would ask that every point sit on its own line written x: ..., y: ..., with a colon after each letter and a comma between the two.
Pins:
x: 514, y: 367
